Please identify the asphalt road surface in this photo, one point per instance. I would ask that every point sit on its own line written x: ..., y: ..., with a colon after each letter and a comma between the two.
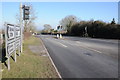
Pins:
x: 77, y: 57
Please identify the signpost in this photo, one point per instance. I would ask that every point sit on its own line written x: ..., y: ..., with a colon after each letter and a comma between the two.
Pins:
x: 14, y: 35
x: 13, y: 41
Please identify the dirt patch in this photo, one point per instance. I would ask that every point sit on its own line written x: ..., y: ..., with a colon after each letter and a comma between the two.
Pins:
x: 39, y: 50
x: 27, y: 35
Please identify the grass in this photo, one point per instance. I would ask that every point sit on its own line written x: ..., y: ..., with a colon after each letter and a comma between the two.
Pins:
x: 29, y: 65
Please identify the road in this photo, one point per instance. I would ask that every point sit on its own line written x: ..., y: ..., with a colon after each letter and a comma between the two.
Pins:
x: 77, y: 57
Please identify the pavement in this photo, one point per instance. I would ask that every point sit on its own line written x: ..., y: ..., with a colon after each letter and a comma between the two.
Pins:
x: 77, y: 57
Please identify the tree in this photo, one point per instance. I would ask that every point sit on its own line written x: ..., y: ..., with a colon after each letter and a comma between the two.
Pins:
x: 67, y: 22
x: 47, y: 28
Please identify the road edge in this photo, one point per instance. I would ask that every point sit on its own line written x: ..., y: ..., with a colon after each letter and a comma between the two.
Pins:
x: 51, y: 59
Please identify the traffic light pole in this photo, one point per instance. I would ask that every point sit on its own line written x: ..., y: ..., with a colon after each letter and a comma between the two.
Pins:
x: 86, y: 34
x: 21, y: 26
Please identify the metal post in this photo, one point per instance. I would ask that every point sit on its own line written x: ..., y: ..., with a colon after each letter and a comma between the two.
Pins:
x: 19, y: 51
x: 6, y: 38
x: 9, y: 63
x: 6, y: 46
x: 15, y: 56
x: 86, y: 31
x: 15, y: 43
x: 21, y: 27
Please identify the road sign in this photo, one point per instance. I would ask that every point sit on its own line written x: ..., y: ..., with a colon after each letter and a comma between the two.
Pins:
x: 10, y: 32
x: 17, y: 43
x: 10, y: 49
x: 12, y: 40
x: 17, y: 31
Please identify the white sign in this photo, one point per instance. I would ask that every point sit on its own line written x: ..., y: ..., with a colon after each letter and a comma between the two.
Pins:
x: 10, y: 32
x: 17, y: 31
x: 10, y: 48
x: 17, y: 43
x: 13, y: 39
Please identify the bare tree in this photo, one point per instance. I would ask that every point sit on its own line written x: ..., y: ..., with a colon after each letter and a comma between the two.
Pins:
x: 67, y: 22
x: 47, y: 28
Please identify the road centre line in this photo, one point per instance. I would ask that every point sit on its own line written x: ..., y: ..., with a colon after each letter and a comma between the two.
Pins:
x: 57, y: 42
x: 76, y: 45
x: 85, y: 46
x: 88, y: 47
x: 62, y: 44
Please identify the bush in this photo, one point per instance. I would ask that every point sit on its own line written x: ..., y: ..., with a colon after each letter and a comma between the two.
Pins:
x: 97, y: 29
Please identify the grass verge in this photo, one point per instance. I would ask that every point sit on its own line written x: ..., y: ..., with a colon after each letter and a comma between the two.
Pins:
x: 30, y: 65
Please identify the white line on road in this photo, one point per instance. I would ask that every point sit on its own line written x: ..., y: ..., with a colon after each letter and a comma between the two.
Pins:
x: 88, y: 47
x: 52, y: 62
x: 78, y: 42
x: 62, y: 44
x: 54, y: 41
x: 93, y: 50
x: 84, y: 46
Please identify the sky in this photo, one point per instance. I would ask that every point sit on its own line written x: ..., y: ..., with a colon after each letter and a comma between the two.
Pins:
x: 52, y: 12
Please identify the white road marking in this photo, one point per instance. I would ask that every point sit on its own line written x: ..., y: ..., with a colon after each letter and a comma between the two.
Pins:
x: 88, y: 47
x: 78, y: 42
x: 76, y: 45
x: 52, y: 62
x: 94, y: 50
x: 85, y: 46
x: 57, y: 42
x: 62, y: 44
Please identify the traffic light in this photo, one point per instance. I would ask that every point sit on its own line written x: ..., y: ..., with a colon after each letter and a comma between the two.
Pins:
x: 26, y: 12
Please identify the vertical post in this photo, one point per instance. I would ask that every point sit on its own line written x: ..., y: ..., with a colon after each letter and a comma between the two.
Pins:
x: 6, y: 39
x: 15, y: 55
x: 15, y: 43
x: 21, y: 27
x: 6, y: 45
x: 19, y: 51
x: 86, y: 32
x: 9, y: 63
